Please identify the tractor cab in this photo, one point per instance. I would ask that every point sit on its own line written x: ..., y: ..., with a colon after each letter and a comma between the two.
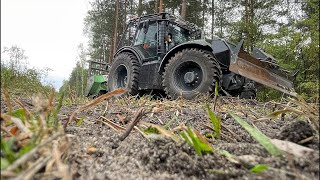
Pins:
x: 154, y: 35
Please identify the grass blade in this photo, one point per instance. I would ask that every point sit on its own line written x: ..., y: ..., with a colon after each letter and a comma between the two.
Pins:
x: 197, y: 141
x: 163, y: 131
x: 216, y: 122
x: 259, y: 168
x: 258, y: 136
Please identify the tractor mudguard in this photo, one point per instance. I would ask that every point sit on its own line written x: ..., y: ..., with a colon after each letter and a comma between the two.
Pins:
x: 190, y: 44
x: 131, y: 50
x: 263, y: 72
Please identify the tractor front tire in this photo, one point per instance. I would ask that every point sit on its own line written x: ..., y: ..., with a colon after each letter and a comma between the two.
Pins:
x: 190, y: 72
x: 124, y: 73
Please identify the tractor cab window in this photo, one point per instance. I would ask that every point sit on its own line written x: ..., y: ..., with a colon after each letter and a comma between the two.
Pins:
x: 179, y: 35
x: 146, y: 34
x: 139, y: 36
x: 146, y: 39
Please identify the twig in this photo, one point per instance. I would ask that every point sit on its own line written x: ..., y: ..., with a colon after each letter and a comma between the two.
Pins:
x: 30, y: 154
x: 6, y: 130
x: 111, y: 124
x: 306, y: 140
x: 29, y: 173
x: 105, y: 110
x: 137, y: 117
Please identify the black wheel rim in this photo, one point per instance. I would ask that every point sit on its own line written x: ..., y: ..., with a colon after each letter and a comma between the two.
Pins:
x: 122, y: 76
x: 188, y: 76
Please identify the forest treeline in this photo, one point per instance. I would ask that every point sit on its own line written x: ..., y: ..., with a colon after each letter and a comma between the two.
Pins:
x: 18, y: 78
x: 288, y: 30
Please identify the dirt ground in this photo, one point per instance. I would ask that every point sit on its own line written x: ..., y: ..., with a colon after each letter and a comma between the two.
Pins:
x: 97, y: 153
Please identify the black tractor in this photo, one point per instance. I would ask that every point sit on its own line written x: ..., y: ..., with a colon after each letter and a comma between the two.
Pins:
x: 162, y: 52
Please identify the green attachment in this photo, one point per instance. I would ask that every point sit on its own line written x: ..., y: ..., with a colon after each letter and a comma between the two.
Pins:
x: 97, y: 84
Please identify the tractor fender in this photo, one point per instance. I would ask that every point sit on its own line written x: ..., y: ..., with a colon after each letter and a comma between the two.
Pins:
x: 131, y: 50
x: 200, y: 44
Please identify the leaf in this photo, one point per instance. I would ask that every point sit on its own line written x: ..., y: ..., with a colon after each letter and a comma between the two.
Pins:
x: 151, y: 130
x: 79, y: 121
x: 186, y: 138
x: 216, y: 122
x: 14, y: 130
x: 258, y: 136
x: 276, y: 114
x: 91, y: 149
x: 19, y: 113
x: 197, y: 141
x: 6, y: 148
x: 216, y: 90
x: 259, y: 168
x: 164, y: 131
x: 4, y: 163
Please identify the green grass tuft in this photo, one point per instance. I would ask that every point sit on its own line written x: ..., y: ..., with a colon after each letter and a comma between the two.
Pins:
x: 258, y: 136
x: 197, y: 141
x: 216, y: 122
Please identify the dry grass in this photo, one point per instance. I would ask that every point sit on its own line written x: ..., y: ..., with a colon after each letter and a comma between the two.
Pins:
x: 33, y: 140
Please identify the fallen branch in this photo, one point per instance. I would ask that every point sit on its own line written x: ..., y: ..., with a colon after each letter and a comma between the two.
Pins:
x: 138, y: 115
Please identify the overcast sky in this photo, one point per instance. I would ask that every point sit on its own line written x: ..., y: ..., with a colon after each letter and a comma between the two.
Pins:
x: 48, y: 30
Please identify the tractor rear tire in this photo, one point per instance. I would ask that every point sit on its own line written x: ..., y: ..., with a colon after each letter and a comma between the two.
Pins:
x: 124, y: 73
x: 190, y: 72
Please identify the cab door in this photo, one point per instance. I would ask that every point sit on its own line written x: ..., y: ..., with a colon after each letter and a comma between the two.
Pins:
x: 146, y: 40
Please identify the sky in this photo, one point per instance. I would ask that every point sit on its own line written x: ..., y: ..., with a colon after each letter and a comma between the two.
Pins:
x: 48, y: 30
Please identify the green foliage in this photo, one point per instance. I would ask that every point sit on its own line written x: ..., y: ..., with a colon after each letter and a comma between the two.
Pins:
x: 7, y: 149
x: 216, y: 122
x: 258, y: 136
x: 36, y: 125
x: 259, y: 168
x: 79, y: 121
x: 17, y: 77
x: 75, y: 86
x: 151, y: 130
x: 197, y: 141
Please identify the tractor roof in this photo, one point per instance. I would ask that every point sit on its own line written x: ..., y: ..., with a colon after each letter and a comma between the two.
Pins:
x: 167, y: 17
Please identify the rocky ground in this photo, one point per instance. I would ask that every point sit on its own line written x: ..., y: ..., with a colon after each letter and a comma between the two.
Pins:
x: 96, y: 152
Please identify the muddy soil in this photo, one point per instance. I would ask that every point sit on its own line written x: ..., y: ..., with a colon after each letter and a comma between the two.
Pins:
x: 97, y: 153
